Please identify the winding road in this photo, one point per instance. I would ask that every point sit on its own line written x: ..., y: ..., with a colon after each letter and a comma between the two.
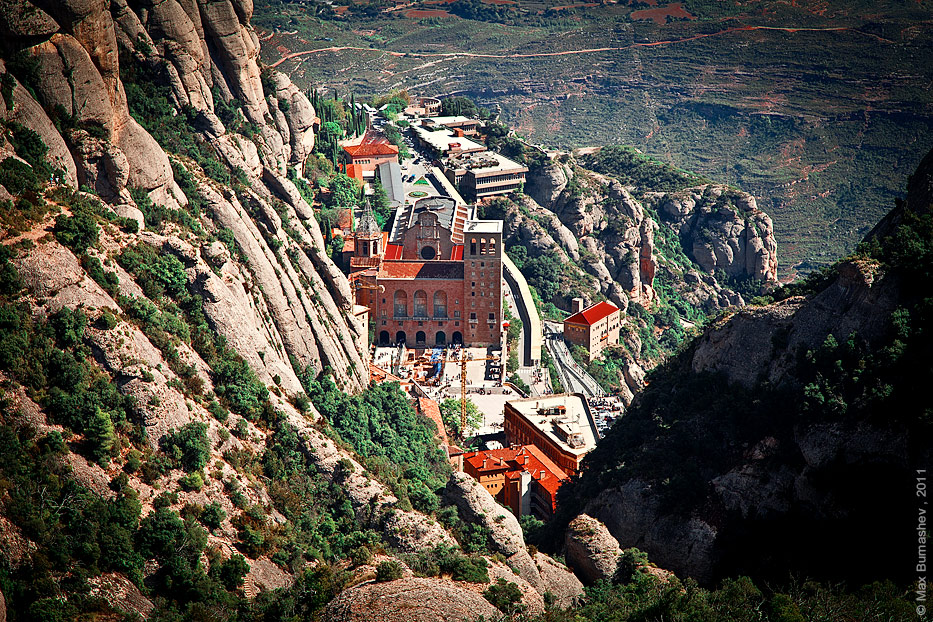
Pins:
x: 572, y: 52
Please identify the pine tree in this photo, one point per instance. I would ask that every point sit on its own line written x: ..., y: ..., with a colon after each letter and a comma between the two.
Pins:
x: 100, y: 436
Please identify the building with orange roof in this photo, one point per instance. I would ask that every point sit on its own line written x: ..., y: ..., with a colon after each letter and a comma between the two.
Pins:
x: 595, y: 327
x: 436, y: 278
x: 520, y: 477
x: 367, y: 152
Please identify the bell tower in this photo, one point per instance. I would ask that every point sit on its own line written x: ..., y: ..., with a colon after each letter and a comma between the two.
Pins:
x: 368, y: 235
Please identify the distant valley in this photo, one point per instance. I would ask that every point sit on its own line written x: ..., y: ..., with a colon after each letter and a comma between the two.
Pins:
x: 821, y: 110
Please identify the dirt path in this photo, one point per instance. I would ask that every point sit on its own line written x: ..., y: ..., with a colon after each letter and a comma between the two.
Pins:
x: 569, y: 52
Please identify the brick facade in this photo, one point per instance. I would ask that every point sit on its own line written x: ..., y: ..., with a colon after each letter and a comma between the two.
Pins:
x: 427, y: 290
x: 594, y: 328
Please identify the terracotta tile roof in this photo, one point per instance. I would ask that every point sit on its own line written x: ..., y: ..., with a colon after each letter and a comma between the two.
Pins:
x: 421, y: 270
x: 371, y: 145
x: 593, y: 314
x: 393, y: 251
x: 516, y: 459
x: 456, y: 253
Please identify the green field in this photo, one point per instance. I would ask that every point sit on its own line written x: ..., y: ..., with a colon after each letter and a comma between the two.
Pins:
x: 822, y: 125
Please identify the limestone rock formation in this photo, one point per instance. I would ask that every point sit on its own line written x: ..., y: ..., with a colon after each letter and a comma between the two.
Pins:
x: 633, y: 515
x: 476, y: 505
x: 792, y: 421
x: 591, y: 550
x: 722, y: 229
x: 857, y: 301
x: 562, y: 584
x: 202, y: 50
x: 409, y: 600
x: 121, y: 594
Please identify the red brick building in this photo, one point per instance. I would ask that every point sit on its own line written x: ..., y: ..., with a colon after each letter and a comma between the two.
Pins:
x: 594, y: 328
x: 521, y: 478
x: 437, y: 281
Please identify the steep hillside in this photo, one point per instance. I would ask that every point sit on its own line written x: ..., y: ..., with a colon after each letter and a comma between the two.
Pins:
x: 791, y: 429
x: 669, y: 248
x: 184, y: 424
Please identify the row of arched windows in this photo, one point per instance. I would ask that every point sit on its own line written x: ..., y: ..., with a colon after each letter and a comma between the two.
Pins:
x: 400, y: 304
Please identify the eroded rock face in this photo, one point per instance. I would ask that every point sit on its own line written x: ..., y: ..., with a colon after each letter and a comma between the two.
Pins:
x: 301, y: 301
x: 591, y: 550
x: 119, y: 591
x: 722, y: 229
x: 563, y: 585
x: 409, y: 600
x: 632, y: 516
x: 766, y: 340
x: 476, y: 505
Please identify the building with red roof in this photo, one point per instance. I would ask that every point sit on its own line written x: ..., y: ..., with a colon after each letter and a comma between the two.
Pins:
x: 594, y: 327
x: 520, y: 477
x: 365, y: 153
x: 436, y: 278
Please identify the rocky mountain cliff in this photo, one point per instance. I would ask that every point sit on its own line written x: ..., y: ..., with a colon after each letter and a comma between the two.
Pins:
x: 62, y: 79
x: 167, y: 306
x: 679, y: 255
x: 790, y: 429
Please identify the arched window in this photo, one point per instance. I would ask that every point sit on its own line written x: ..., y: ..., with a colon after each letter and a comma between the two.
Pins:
x: 482, y: 246
x: 419, y: 337
x: 441, y: 338
x: 421, y: 303
x: 492, y: 246
x: 401, y: 303
x: 456, y: 337
x: 472, y: 246
x: 400, y: 337
x: 440, y: 304
x: 384, y: 338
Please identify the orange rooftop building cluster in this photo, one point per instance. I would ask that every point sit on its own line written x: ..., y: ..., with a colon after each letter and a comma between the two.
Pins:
x: 521, y: 478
